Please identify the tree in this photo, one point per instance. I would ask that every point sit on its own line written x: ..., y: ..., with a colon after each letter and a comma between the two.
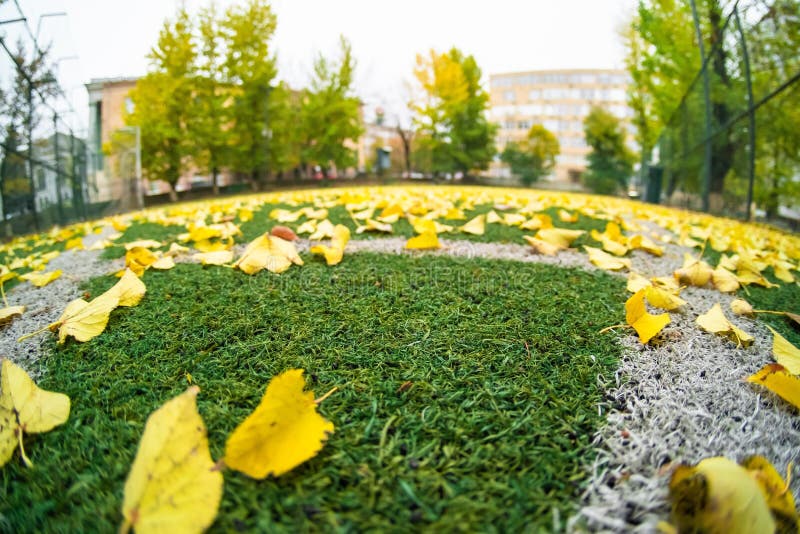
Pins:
x: 663, y: 61
x: 250, y: 68
x: 451, y: 118
x: 610, y: 161
x: 330, y: 112
x: 33, y: 81
x: 533, y: 157
x: 162, y: 104
x: 209, y: 124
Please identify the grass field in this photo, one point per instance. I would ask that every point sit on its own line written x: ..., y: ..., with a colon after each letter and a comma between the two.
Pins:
x: 493, y: 434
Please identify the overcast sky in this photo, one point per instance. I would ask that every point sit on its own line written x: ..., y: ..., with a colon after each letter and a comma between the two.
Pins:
x: 112, y: 37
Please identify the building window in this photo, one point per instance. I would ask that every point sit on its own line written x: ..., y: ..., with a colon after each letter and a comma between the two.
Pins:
x: 509, y: 96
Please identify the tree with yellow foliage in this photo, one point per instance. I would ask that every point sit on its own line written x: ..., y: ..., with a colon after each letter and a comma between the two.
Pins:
x: 451, y: 116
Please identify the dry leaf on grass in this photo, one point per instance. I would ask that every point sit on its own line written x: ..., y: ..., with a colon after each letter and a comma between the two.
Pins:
x: 284, y: 430
x: 26, y: 409
x: 172, y: 485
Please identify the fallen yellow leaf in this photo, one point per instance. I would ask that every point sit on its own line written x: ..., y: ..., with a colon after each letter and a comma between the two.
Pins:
x: 476, y: 226
x: 606, y: 261
x: 284, y: 430
x: 661, y: 298
x: 426, y: 240
x: 335, y: 252
x: 645, y: 324
x: 542, y: 247
x: 718, y: 495
x: 785, y: 353
x: 694, y: 272
x: 41, y: 279
x: 714, y: 321
x: 220, y: 257
x: 172, y: 485
x: 24, y: 408
x: 8, y: 313
x: 741, y: 307
x: 780, y: 381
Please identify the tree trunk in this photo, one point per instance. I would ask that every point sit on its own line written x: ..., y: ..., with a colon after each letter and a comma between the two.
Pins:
x: 215, y: 180
x: 173, y: 195
x: 723, y: 147
x: 405, y: 138
x: 254, y: 181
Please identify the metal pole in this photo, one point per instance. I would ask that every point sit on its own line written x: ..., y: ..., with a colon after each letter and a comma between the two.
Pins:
x: 29, y: 128
x: 60, y: 203
x: 707, y: 102
x: 139, y: 185
x: 751, y: 171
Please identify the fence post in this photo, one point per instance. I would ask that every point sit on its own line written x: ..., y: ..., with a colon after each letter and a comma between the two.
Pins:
x: 707, y: 102
x: 57, y: 161
x: 29, y: 128
x: 751, y: 115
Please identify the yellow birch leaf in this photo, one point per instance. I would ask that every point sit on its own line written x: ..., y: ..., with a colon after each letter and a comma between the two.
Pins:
x: 542, y: 247
x: 454, y: 214
x: 785, y: 353
x: 645, y: 324
x: 8, y: 313
x: 513, y: 219
x: 389, y: 219
x: 41, y: 279
x: 724, y: 280
x: 308, y: 227
x: 363, y: 215
x: 559, y: 236
x: 288, y: 249
x: 783, y: 274
x: 718, y: 495
x: 163, y: 263
x: 371, y: 225
x: 567, y: 217
x: 220, y: 257
x: 24, y: 408
x: 476, y: 226
x: 606, y: 261
x: 661, y: 298
x: 426, y: 240
x: 392, y: 210
x: 262, y: 254
x: 129, y: 289
x: 324, y: 230
x: 138, y: 259
x: 144, y: 243
x: 176, y: 250
x: 214, y: 245
x: 636, y: 282
x: 614, y: 247
x: 774, y: 489
x: 85, y: 320
x: 173, y: 486
x: 493, y: 217
x: 714, y: 321
x: 74, y: 243
x: 780, y: 381
x: 694, y: 272
x: 643, y: 243
x: 335, y: 252
x: 741, y: 307
x: 284, y: 430
x: 747, y: 277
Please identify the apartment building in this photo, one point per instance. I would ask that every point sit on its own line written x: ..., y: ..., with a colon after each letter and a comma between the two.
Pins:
x: 559, y: 100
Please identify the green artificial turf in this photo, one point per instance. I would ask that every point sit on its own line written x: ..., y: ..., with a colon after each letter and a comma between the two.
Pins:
x: 785, y: 298
x: 493, y: 435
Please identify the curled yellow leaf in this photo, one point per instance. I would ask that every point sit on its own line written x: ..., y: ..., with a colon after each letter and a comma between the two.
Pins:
x: 714, y: 321
x: 777, y: 379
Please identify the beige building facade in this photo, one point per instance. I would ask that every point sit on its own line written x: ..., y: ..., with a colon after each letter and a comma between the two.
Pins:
x: 559, y: 100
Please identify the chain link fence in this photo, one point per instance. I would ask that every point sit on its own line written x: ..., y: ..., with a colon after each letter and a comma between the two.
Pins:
x: 47, y: 170
x: 732, y: 146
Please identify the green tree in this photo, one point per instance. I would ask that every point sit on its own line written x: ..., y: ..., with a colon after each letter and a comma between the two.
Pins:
x: 162, y: 104
x: 212, y: 92
x: 610, y: 161
x: 663, y: 61
x: 533, y: 157
x: 249, y: 67
x: 451, y: 116
x: 330, y: 112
